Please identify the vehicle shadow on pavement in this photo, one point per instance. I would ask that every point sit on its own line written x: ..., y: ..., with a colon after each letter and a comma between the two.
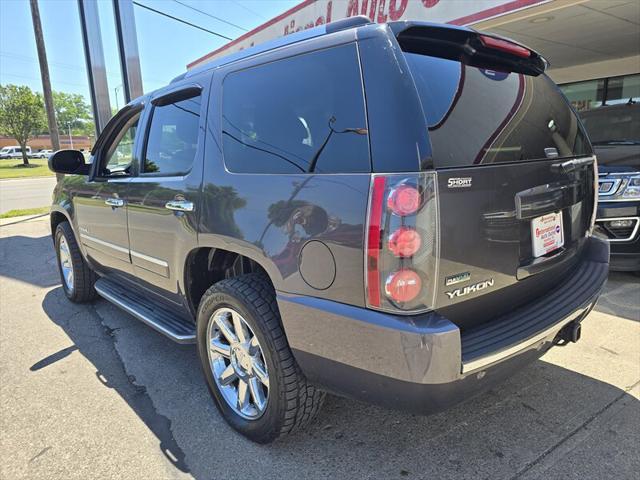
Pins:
x: 95, y: 342
x: 500, y: 434
x: 16, y: 260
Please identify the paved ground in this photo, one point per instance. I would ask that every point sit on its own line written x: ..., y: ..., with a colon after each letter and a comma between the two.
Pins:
x: 89, y: 392
x: 26, y: 193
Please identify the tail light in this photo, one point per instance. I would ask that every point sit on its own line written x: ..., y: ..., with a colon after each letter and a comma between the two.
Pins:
x: 405, y: 242
x: 402, y: 242
x: 403, y: 286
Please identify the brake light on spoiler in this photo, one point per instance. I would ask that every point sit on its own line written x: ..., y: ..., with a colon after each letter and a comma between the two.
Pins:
x: 402, y: 242
x: 504, y: 46
x: 468, y: 46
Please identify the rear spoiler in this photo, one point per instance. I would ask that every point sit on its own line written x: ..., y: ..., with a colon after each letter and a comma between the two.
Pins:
x: 468, y: 46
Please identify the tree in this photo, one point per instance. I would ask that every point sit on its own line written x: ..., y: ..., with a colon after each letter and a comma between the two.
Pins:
x: 72, y: 112
x: 22, y: 115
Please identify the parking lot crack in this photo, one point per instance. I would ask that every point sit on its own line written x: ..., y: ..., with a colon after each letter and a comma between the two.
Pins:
x: 137, y: 397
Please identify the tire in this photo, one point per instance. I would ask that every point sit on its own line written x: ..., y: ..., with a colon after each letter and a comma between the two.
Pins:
x: 291, y: 401
x: 81, y: 288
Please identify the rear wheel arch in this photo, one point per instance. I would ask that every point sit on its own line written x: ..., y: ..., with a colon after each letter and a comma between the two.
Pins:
x: 205, y: 266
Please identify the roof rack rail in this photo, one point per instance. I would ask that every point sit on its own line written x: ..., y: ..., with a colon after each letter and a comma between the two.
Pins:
x: 337, y: 26
x: 347, y: 23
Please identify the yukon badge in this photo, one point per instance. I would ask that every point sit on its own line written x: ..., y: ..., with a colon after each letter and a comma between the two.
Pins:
x: 476, y: 287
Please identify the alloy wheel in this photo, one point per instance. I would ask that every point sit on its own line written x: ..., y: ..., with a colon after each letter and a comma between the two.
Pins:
x: 66, y: 266
x: 237, y: 363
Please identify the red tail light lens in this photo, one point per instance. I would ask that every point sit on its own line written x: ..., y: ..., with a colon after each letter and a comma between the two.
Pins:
x: 505, y: 46
x: 403, y: 286
x: 404, y: 242
x: 374, y: 237
x: 404, y: 200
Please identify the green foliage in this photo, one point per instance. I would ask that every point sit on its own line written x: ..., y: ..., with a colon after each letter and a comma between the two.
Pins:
x: 25, y: 211
x: 21, y: 114
x: 73, y: 111
x: 36, y: 168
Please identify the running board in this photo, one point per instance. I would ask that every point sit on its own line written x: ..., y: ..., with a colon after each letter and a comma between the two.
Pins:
x: 161, y: 319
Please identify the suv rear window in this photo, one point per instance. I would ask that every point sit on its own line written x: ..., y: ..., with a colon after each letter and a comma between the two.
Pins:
x: 481, y: 116
x: 301, y: 114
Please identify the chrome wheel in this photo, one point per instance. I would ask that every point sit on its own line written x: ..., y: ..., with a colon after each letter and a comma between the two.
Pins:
x: 237, y: 363
x: 66, y: 267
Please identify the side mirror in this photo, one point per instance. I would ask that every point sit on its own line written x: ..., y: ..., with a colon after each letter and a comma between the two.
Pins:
x: 68, y: 161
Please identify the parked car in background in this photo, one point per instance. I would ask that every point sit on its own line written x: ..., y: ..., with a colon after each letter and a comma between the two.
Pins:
x: 399, y: 213
x: 615, y: 135
x: 42, y: 154
x: 13, y: 152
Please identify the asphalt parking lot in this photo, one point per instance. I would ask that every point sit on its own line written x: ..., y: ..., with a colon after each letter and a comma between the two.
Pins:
x: 87, y: 391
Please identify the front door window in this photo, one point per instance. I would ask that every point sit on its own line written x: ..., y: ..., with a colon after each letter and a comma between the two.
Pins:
x: 119, y: 157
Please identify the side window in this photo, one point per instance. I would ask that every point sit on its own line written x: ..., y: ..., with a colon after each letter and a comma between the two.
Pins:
x: 173, y: 137
x: 300, y: 114
x: 119, y: 156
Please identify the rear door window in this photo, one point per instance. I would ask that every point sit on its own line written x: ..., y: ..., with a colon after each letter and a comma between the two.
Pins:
x: 173, y: 137
x: 480, y: 116
x: 301, y: 114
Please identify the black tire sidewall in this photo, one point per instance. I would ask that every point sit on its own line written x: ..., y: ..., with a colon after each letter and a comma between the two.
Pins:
x: 60, y: 232
x: 267, y: 427
x: 83, y: 276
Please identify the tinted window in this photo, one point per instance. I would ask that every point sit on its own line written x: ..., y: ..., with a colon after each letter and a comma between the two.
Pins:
x: 173, y: 137
x: 304, y: 113
x: 119, y: 156
x: 480, y: 116
x: 612, y: 126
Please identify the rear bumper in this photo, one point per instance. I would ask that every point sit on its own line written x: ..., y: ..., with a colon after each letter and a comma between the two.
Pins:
x: 423, y: 363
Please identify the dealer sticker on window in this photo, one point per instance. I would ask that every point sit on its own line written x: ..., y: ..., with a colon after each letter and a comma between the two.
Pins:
x: 546, y: 233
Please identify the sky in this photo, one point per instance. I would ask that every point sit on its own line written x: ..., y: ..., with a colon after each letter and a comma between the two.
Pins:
x: 165, y: 45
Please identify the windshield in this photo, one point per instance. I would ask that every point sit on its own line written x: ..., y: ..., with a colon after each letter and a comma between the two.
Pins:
x: 481, y: 116
x: 613, y: 126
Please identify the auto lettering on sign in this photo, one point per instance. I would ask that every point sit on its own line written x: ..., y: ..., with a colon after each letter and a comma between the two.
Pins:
x: 313, y: 13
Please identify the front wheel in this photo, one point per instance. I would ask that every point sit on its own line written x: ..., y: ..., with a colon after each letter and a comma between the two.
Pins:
x: 248, y: 365
x: 77, y: 277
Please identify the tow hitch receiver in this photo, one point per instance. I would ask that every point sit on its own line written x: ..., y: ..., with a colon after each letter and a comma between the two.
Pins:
x: 570, y: 333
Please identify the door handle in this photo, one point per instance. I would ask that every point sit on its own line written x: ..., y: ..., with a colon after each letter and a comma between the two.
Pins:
x: 114, y: 202
x: 180, y: 205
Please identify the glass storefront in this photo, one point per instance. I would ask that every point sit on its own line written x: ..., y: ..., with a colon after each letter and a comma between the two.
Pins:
x: 592, y: 94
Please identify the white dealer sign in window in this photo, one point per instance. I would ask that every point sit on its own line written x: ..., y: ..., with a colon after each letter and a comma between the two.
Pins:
x: 312, y: 13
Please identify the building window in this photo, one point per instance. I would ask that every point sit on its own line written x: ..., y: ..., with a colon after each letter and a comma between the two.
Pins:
x: 585, y: 95
x: 623, y: 89
x: 592, y: 94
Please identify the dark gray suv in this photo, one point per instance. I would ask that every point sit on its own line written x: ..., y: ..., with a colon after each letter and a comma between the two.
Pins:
x: 399, y: 213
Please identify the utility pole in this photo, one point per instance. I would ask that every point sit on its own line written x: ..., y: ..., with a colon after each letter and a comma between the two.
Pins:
x: 44, y: 73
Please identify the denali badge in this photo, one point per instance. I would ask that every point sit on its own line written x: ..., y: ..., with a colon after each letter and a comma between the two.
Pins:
x: 459, y: 182
x: 476, y: 287
x: 457, y: 278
